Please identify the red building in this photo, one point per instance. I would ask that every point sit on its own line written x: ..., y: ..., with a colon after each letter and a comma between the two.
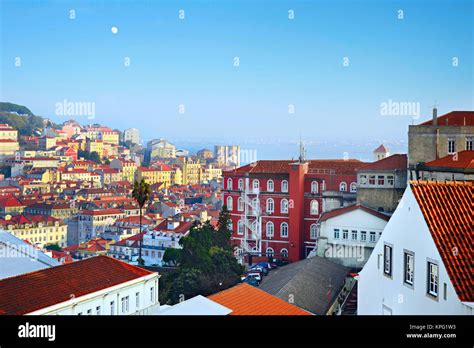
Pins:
x: 275, y: 205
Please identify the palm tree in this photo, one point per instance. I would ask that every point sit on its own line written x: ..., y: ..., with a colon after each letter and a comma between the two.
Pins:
x: 141, y: 193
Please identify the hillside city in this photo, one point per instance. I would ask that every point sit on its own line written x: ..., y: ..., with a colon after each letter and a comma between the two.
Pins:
x: 133, y: 227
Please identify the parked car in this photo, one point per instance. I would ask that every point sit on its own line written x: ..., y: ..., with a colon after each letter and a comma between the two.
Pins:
x: 261, y: 269
x: 264, y: 265
x: 253, y: 274
x: 273, y: 264
x: 281, y: 262
x: 251, y: 281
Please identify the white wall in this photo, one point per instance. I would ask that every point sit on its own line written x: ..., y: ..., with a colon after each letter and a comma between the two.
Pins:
x: 358, y: 220
x: 103, y: 298
x: 406, y: 230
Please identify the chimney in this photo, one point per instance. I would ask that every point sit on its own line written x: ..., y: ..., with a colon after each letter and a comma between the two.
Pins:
x: 435, y: 116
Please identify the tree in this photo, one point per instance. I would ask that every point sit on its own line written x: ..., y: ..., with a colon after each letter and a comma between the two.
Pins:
x: 54, y: 247
x: 172, y: 256
x: 141, y: 193
x: 206, y: 262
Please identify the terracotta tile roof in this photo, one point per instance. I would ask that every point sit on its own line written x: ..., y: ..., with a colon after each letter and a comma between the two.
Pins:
x: 448, y: 211
x: 340, y: 211
x: 453, y: 118
x: 463, y: 159
x: 244, y: 299
x: 10, y: 202
x: 102, y: 212
x: 394, y: 162
x: 40, y: 289
x: 283, y: 166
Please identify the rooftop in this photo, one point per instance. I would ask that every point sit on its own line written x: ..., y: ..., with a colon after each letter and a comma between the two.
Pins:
x: 448, y: 211
x: 393, y: 162
x: 453, y: 118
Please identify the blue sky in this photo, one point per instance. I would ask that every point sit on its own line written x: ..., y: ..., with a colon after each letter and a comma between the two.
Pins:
x: 282, y: 62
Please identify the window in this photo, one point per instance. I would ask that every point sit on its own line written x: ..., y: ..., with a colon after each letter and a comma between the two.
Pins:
x: 284, y: 253
x: 240, y: 204
x: 270, y: 205
x: 363, y: 179
x: 256, y: 184
x: 229, y: 203
x: 451, y: 145
x: 345, y: 234
x: 270, y: 229
x: 469, y: 143
x: 314, y: 187
x: 314, y: 207
x: 409, y: 267
x: 380, y: 180
x: 241, y: 184
x: 353, y: 187
x: 89, y: 312
x: 323, y: 185
x: 387, y: 260
x: 284, y: 230
x: 270, y: 186
x: 137, y: 300
x: 313, y: 231
x: 284, y: 186
x: 269, y: 252
x: 343, y: 187
x: 124, y: 303
x: 390, y: 180
x: 336, y: 233
x: 240, y: 227
x: 432, y: 279
x: 363, y: 236
x: 255, y: 206
x: 372, y: 237
x: 152, y: 294
x: 371, y: 179
x: 112, y: 307
x: 284, y: 206
x: 97, y: 310
x: 229, y: 184
x: 354, y: 235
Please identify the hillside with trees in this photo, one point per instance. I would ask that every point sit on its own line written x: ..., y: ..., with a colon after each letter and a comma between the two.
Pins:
x: 22, y: 119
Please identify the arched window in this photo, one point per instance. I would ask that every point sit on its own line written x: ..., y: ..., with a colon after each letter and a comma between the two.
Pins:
x: 270, y: 229
x: 270, y: 205
x: 323, y: 185
x: 314, y: 207
x: 314, y: 187
x: 313, y: 231
x: 284, y: 186
x: 343, y: 187
x: 241, y: 184
x: 353, y: 187
x: 240, y: 227
x: 229, y: 184
x: 270, y: 185
x: 256, y: 184
x: 255, y: 249
x: 229, y: 203
x: 284, y: 206
x: 238, y: 251
x: 255, y: 205
x: 284, y: 253
x: 240, y: 204
x: 284, y: 230
x: 269, y: 252
x: 230, y: 226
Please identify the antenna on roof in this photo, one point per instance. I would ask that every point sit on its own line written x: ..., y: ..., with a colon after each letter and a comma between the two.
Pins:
x: 435, y: 113
x: 302, y: 151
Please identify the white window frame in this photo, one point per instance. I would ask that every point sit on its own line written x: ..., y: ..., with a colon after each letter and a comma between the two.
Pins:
x: 363, y: 236
x: 229, y: 184
x: 284, y: 227
x: 374, y: 235
x: 388, y: 260
x: 343, y: 186
x: 270, y: 185
x: 229, y: 203
x: 314, y: 207
x: 284, y: 206
x: 240, y: 228
x: 451, y: 145
x: 255, y: 184
x: 240, y: 204
x: 284, y: 252
x: 408, y: 267
x: 270, y: 229
x: 240, y: 184
x: 314, y: 187
x: 313, y: 231
x: 337, y: 234
x: 284, y: 186
x: 270, y: 252
x: 353, y: 187
x: 354, y: 232
x: 270, y: 206
x: 345, y: 234
x: 432, y: 284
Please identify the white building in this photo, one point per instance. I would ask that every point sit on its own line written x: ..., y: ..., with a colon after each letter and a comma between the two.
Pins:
x: 155, y: 242
x: 227, y: 155
x: 132, y: 135
x: 423, y: 262
x: 95, y: 286
x: 348, y: 235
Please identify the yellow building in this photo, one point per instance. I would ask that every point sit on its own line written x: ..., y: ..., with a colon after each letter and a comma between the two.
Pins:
x: 95, y: 146
x: 127, y: 167
x: 7, y: 132
x: 155, y: 175
x: 192, y: 171
x: 37, y: 229
x: 110, y: 137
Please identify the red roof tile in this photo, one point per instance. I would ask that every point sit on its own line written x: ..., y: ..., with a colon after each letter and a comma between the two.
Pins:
x: 40, y: 289
x: 448, y: 211
x: 463, y: 159
x: 453, y: 118
x: 336, y: 212
x: 244, y: 299
x: 394, y: 162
